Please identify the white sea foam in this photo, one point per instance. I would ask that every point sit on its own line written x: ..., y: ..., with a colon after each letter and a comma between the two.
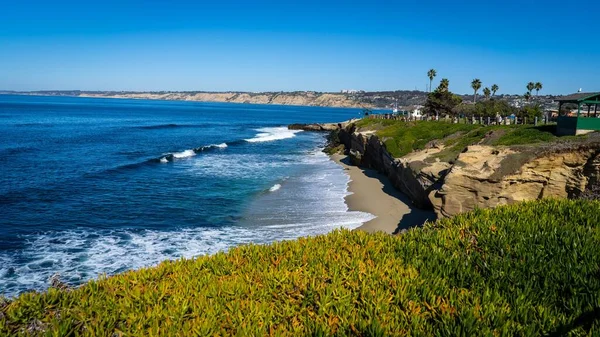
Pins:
x: 238, y: 166
x: 82, y: 255
x: 78, y: 256
x: 271, y: 134
x: 311, y: 204
x: 184, y: 154
x: 221, y: 146
x: 164, y: 160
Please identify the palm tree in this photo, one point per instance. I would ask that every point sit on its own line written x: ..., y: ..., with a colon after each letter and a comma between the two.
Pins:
x: 487, y: 92
x: 444, y: 85
x: 494, y: 89
x: 530, y: 87
x: 538, y: 86
x: 527, y: 96
x: 476, y: 85
x: 431, y: 74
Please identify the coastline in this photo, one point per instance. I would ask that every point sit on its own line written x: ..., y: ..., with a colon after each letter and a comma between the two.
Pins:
x: 373, y: 193
x: 334, y: 100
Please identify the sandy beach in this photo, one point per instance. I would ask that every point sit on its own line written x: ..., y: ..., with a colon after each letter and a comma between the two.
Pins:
x: 373, y: 193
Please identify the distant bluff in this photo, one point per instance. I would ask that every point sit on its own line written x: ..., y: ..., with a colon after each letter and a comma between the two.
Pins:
x: 361, y: 99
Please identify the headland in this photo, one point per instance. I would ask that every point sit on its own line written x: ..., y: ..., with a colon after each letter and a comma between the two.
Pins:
x: 402, y: 172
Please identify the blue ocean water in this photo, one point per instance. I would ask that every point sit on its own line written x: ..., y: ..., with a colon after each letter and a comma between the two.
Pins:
x: 92, y: 186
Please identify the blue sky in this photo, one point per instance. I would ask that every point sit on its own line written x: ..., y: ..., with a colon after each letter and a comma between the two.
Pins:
x: 307, y: 45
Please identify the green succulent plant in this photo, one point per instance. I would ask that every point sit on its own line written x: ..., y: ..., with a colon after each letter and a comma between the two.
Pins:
x: 529, y: 269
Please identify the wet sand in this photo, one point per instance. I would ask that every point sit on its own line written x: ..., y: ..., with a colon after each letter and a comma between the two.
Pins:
x: 373, y: 193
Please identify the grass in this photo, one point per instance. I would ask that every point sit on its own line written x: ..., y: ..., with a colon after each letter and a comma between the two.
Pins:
x: 529, y: 269
x: 528, y: 135
x: 401, y: 138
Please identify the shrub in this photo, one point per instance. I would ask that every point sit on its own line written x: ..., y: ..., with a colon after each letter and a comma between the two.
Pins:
x: 441, y: 102
x: 531, y: 112
x: 528, y: 135
x: 530, y: 269
x: 487, y: 108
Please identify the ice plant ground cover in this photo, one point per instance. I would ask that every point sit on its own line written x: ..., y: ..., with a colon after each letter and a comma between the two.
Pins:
x: 529, y: 269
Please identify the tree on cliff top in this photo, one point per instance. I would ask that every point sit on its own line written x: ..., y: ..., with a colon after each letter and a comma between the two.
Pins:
x: 441, y: 101
x: 538, y: 86
x: 476, y: 85
x: 431, y: 74
x: 488, y: 108
x: 444, y: 84
x: 487, y: 92
x: 495, y: 88
x: 531, y: 112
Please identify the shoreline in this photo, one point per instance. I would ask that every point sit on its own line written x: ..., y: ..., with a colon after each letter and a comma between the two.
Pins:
x: 373, y: 193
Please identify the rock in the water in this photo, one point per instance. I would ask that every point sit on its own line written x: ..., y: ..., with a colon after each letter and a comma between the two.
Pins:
x: 321, y: 127
x: 314, y: 127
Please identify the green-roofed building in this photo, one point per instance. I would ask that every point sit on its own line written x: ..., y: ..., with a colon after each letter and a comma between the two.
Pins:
x: 587, y: 114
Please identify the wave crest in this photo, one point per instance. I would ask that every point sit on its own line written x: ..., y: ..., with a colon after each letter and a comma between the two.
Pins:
x: 271, y: 134
x: 189, y: 153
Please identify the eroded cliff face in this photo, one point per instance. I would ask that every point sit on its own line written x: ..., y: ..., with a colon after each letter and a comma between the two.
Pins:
x: 486, y: 176
x: 409, y: 174
x: 482, y: 176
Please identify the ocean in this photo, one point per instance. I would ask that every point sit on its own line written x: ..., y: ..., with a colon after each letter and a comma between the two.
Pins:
x: 92, y: 186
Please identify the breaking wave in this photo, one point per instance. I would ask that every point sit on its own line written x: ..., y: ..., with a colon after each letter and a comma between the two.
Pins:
x: 265, y: 135
x: 189, y: 153
x: 271, y: 134
x: 78, y: 256
x: 311, y: 204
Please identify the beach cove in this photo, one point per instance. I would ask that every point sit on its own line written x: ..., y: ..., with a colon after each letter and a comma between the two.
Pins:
x: 372, y: 192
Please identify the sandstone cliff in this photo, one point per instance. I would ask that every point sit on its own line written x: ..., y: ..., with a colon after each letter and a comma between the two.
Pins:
x: 482, y: 176
x: 410, y: 174
x: 292, y: 98
x: 486, y: 176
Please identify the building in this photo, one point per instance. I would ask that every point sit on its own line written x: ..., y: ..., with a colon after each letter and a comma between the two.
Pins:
x: 584, y: 121
x: 352, y: 91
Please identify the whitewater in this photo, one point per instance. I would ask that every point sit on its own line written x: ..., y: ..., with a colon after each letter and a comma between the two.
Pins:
x: 101, y: 186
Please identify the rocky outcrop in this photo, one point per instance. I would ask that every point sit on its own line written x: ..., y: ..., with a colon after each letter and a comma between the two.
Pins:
x: 321, y: 127
x: 482, y: 176
x: 486, y: 176
x: 315, y: 127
